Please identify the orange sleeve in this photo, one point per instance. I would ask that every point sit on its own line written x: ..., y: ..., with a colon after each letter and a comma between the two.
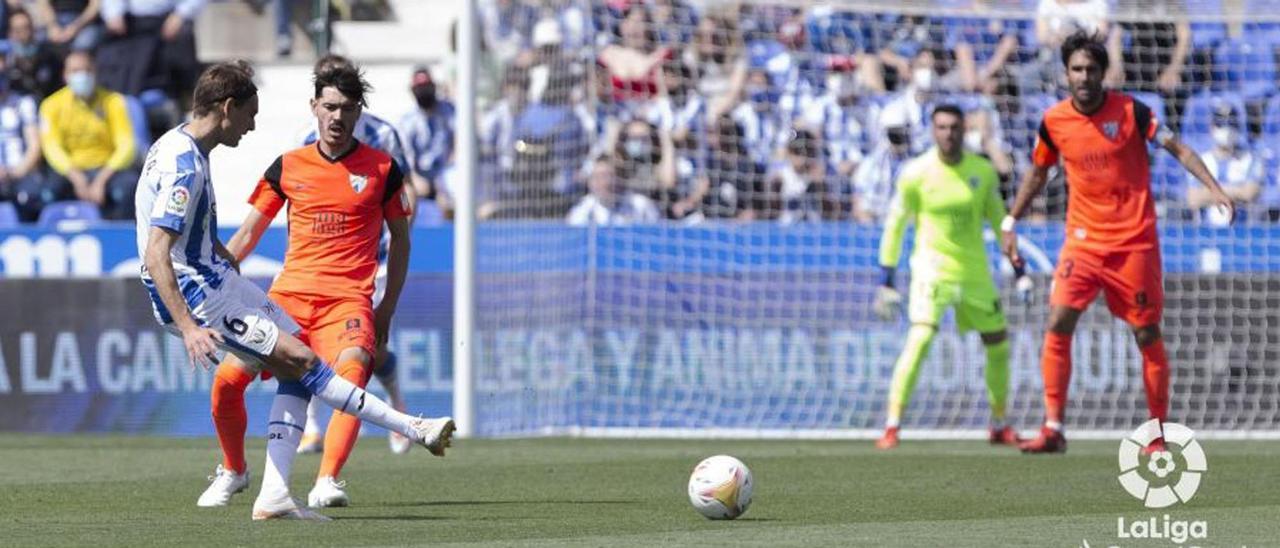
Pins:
x: 268, y: 197
x: 1045, y: 153
x: 395, y: 204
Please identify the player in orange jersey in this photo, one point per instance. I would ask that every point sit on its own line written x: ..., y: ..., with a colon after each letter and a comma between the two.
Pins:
x: 1111, y: 245
x: 340, y: 193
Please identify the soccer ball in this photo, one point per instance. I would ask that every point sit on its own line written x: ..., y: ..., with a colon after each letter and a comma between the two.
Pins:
x: 720, y: 487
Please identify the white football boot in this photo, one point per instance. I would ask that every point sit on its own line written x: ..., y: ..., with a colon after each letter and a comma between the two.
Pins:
x: 286, y: 508
x: 311, y: 443
x: 434, y: 434
x: 399, y: 444
x: 222, y: 484
x: 328, y: 493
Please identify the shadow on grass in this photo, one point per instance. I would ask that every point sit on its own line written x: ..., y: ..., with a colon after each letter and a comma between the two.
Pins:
x: 388, y: 518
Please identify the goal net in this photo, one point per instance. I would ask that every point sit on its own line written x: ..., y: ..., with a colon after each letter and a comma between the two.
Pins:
x: 680, y: 205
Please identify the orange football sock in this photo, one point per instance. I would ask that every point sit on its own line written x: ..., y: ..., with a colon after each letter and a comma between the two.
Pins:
x: 229, y: 416
x: 1155, y: 377
x: 343, y: 430
x: 1055, y: 366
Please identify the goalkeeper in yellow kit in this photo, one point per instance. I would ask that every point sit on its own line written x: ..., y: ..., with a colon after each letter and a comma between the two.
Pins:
x: 948, y: 193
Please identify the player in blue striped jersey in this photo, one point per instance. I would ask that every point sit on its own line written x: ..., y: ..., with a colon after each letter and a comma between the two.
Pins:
x: 197, y: 293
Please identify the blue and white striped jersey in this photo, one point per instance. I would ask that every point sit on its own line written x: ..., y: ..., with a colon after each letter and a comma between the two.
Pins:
x: 175, y: 193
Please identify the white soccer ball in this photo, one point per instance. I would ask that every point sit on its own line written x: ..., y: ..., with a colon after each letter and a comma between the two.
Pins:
x: 720, y: 487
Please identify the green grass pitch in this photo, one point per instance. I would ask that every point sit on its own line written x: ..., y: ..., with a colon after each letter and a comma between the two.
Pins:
x: 128, y: 491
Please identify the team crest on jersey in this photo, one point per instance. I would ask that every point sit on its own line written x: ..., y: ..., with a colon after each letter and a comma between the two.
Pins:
x: 358, y: 182
x: 178, y: 199
x: 1111, y: 129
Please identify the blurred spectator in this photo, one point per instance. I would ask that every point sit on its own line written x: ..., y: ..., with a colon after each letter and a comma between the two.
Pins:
x: 89, y: 142
x: 489, y: 71
x: 72, y: 24
x: 645, y: 160
x: 1154, y: 50
x: 875, y: 182
x: 797, y: 186
x: 547, y: 58
x: 34, y: 66
x: 761, y: 117
x: 498, y: 124
x: 1055, y: 20
x: 150, y: 44
x: 428, y: 133
x: 983, y: 46
x: 575, y: 25
x: 680, y: 112
x: 674, y: 22
x: 1237, y: 168
x: 912, y: 105
x: 550, y: 146
x: 507, y: 24
x: 734, y: 184
x: 718, y: 58
x: 633, y: 62
x: 603, y: 117
x: 20, y: 176
x: 844, y: 37
x: 609, y: 201
x: 901, y: 38
x: 983, y: 134
x: 844, y: 120
x: 282, y: 12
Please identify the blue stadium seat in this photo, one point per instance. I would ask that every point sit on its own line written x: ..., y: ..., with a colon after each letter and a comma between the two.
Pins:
x: 428, y: 214
x: 1271, y: 123
x: 1198, y: 115
x: 1033, y: 108
x: 1263, y: 33
x: 8, y: 216
x: 1206, y: 34
x: 57, y: 213
x: 138, y: 119
x: 1240, y: 65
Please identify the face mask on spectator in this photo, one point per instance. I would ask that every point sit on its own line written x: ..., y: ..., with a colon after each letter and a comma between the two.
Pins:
x: 425, y: 96
x: 898, y: 136
x: 637, y: 148
x: 922, y: 78
x: 1223, y: 136
x: 81, y: 83
x: 973, y: 140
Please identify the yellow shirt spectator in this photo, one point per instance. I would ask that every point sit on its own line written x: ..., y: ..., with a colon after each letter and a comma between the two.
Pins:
x: 86, y: 135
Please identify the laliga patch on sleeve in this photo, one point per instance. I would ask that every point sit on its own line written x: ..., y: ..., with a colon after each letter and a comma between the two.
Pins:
x: 179, y: 197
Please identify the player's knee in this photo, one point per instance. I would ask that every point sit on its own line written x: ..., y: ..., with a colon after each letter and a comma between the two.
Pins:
x: 1063, y: 320
x: 299, y: 360
x: 1146, y: 334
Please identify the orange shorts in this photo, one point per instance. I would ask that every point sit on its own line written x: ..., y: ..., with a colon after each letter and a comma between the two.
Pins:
x: 330, y: 325
x: 1131, y: 281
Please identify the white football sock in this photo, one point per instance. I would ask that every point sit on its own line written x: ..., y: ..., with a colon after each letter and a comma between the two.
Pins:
x: 313, y: 419
x: 344, y: 396
x: 284, y: 432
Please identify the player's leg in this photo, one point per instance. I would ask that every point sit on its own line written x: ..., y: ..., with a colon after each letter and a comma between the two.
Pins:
x: 926, y: 303
x: 980, y: 310
x: 230, y: 421
x: 313, y: 432
x: 1135, y: 293
x: 384, y: 369
x: 346, y: 331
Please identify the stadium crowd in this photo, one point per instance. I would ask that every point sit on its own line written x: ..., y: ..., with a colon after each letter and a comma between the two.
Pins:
x: 615, y: 111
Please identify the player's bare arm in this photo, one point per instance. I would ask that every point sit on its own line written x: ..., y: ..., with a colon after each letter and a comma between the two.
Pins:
x: 397, y: 270
x: 246, y: 238
x: 1193, y: 164
x: 225, y: 253
x: 200, y: 341
x: 1033, y: 182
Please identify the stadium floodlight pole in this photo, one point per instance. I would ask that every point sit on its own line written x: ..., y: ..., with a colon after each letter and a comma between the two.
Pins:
x: 464, y: 229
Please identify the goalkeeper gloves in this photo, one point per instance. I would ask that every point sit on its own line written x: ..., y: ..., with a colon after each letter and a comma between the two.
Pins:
x: 887, y: 298
x: 1023, y: 284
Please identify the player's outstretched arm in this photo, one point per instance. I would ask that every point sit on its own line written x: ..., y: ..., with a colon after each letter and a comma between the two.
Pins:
x: 1194, y: 165
x: 200, y: 341
x: 397, y: 270
x: 895, y: 228
x: 246, y: 238
x: 1032, y: 183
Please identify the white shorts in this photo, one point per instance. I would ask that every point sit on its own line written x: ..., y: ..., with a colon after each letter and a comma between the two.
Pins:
x: 250, y: 324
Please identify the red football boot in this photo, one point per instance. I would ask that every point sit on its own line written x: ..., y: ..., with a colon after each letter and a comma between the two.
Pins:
x: 1049, y: 441
x: 889, y: 440
x: 1005, y: 435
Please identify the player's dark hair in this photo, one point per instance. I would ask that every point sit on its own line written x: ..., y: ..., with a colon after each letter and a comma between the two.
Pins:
x: 1091, y: 43
x: 230, y: 80
x: 345, y: 78
x: 329, y: 61
x: 947, y: 108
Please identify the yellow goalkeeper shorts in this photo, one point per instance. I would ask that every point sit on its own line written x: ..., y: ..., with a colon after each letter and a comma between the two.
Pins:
x: 977, y: 304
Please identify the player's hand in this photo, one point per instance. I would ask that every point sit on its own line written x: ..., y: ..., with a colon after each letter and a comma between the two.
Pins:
x: 886, y: 304
x: 382, y: 324
x: 1225, y: 205
x: 1024, y: 286
x: 1009, y: 245
x: 201, y: 343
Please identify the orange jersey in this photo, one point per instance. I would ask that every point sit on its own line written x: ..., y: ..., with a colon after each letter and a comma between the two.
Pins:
x: 1109, y: 202
x: 336, y: 211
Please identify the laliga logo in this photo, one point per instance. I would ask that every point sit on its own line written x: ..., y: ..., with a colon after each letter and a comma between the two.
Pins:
x: 1176, y: 477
